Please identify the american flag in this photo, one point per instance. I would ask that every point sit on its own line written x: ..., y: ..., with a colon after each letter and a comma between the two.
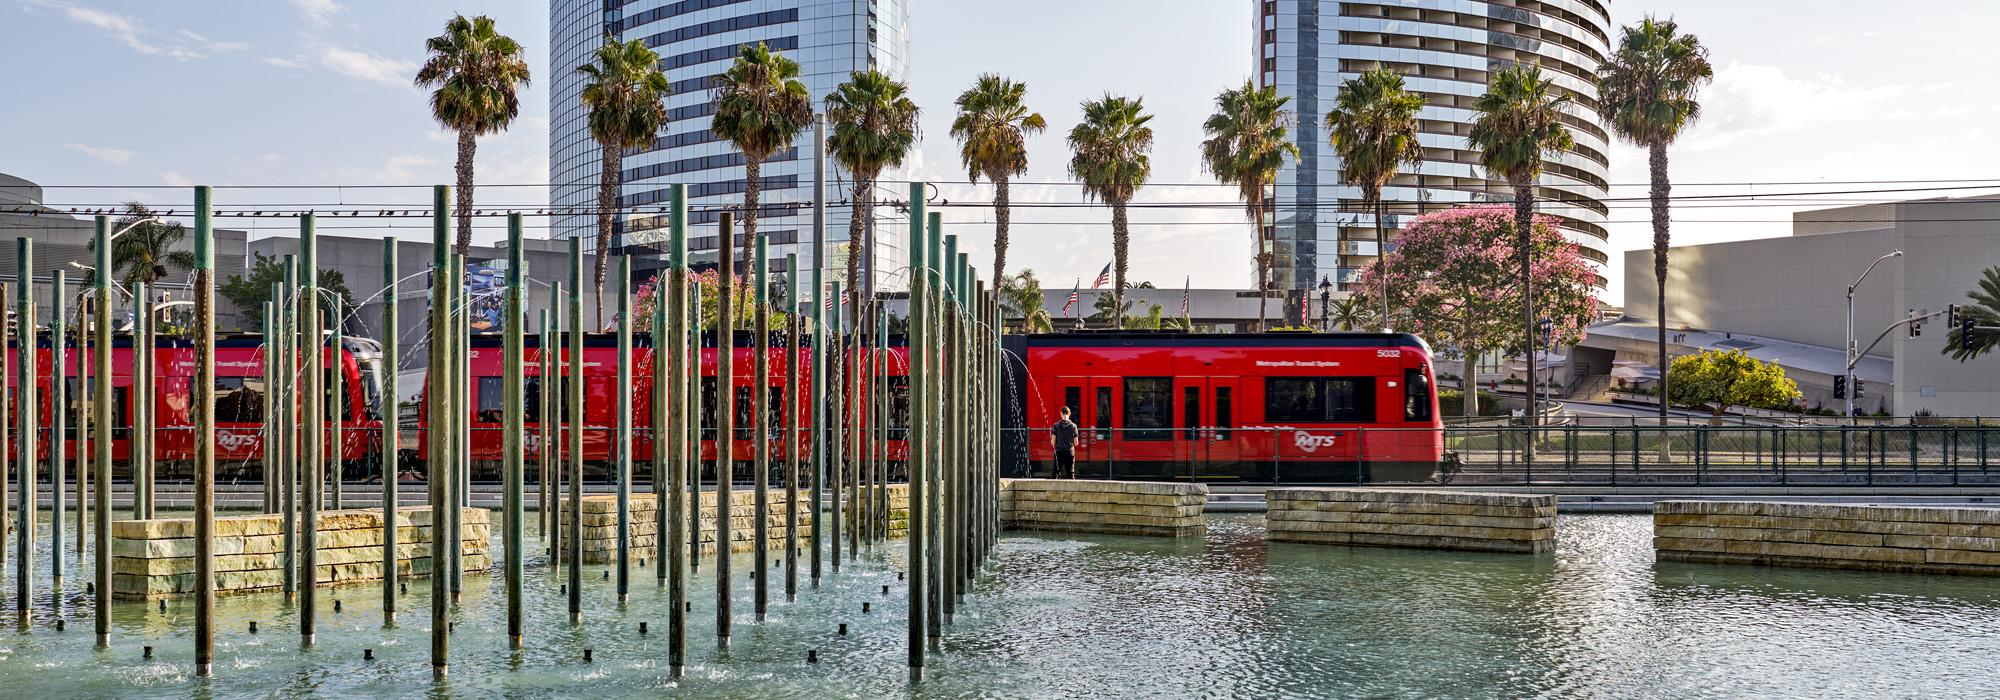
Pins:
x: 830, y: 302
x: 1103, y: 278
x: 1072, y: 297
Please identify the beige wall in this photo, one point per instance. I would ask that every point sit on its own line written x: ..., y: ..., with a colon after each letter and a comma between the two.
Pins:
x: 1946, y: 243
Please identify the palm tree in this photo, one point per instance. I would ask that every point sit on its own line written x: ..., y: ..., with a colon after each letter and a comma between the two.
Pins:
x: 759, y: 106
x: 874, y: 127
x: 1647, y: 90
x: 626, y: 96
x: 1246, y: 144
x: 1374, y: 125
x: 992, y: 128
x: 1021, y: 297
x: 1520, y: 120
x: 477, y: 72
x: 1109, y: 156
x: 1983, y: 311
x: 145, y: 253
x: 1349, y: 313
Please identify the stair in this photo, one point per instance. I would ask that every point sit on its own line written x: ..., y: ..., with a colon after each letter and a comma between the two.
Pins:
x: 1596, y: 388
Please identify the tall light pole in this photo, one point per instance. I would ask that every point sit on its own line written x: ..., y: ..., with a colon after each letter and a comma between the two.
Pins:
x: 1849, y: 378
x: 1326, y: 304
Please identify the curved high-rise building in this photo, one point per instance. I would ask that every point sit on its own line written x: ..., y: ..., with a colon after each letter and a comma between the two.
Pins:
x: 697, y: 40
x: 1446, y: 50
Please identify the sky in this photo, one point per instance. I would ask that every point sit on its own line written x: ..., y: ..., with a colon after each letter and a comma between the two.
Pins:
x: 136, y: 99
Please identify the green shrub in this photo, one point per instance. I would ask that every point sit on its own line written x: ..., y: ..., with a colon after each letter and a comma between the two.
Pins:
x: 1451, y: 402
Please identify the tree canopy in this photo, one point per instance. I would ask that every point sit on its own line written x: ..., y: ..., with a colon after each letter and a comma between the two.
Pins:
x: 1717, y: 380
x: 250, y: 292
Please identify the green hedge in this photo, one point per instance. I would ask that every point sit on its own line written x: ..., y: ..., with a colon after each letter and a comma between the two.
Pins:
x: 1451, y: 402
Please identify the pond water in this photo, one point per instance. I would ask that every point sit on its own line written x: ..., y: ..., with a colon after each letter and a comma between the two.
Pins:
x: 1061, y: 616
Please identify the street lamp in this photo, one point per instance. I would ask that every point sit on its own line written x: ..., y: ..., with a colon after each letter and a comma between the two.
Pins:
x: 1325, y: 304
x: 1849, y: 368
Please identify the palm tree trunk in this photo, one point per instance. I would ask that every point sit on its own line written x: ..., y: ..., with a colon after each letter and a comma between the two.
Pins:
x: 1657, y: 160
x: 1120, y: 236
x: 857, y: 238
x: 1263, y: 256
x: 1524, y: 222
x: 753, y: 186
x: 467, y: 144
x: 1381, y: 254
x: 1002, y: 216
x: 607, y: 211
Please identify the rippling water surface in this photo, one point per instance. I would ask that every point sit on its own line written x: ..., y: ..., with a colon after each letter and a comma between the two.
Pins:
x: 1058, y: 616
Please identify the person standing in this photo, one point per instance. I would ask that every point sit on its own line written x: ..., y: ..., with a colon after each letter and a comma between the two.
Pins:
x: 1062, y: 436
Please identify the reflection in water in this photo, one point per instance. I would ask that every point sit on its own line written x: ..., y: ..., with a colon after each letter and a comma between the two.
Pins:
x: 1223, y: 616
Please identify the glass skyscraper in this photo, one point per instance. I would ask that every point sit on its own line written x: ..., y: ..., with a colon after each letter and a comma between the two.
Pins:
x: 1445, y: 49
x: 697, y: 40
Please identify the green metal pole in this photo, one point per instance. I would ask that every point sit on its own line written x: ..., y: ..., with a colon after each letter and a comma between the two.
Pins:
x: 438, y: 466
x: 59, y: 423
x: 546, y: 349
x: 920, y: 413
x: 790, y: 394
x: 142, y: 403
x: 934, y: 450
x: 694, y: 412
x: 622, y: 440
x: 821, y: 417
x: 725, y: 421
x: 458, y: 419
x: 682, y: 377
x: 834, y: 457
x: 6, y: 459
x: 336, y: 454
x: 312, y: 437
x: 960, y: 504
x: 760, y: 399
x: 26, y: 454
x: 950, y: 389
x: 878, y: 491
x: 391, y: 432
x: 574, y: 407
x: 515, y: 416
x: 288, y: 452
x: 268, y: 443
x: 204, y: 433
x: 100, y: 355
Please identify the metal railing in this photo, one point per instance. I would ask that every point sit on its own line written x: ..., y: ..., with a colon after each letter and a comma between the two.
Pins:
x: 1860, y: 453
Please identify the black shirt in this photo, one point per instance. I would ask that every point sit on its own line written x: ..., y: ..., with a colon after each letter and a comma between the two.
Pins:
x: 1065, y: 433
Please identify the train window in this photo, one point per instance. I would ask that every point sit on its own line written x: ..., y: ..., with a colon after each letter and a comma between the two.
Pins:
x: 1416, y: 395
x: 531, y: 399
x: 708, y: 404
x: 492, y: 398
x: 1320, y: 399
x: 73, y: 402
x: 1073, y: 400
x: 1191, y: 413
x: 121, y: 409
x: 1103, y: 413
x: 745, y: 419
x: 1149, y: 408
x: 774, y: 409
x: 899, y: 408
x: 336, y: 394
x: 1225, y: 417
x: 239, y: 400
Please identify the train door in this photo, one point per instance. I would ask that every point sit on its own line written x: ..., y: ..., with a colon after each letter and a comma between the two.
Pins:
x: 1100, y: 445
x: 1222, y: 451
x: 1191, y: 430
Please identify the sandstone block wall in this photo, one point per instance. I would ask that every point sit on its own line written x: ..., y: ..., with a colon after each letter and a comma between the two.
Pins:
x: 1113, y: 507
x: 1920, y: 539
x: 600, y: 524
x: 155, y: 558
x: 1491, y: 522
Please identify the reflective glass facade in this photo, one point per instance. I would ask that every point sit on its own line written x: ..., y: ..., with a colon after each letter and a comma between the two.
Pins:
x: 696, y: 40
x: 1445, y: 49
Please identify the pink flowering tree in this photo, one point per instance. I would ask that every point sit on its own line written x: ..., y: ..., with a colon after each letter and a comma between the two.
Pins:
x: 1454, y: 279
x: 648, y: 294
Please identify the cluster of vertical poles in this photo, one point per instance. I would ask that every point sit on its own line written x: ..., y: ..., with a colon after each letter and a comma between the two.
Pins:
x: 840, y: 352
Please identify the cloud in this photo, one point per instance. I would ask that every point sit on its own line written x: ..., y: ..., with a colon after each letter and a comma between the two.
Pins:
x: 180, y: 45
x: 367, y: 66
x: 114, y: 156
x: 1748, y: 101
x: 286, y: 62
x: 400, y: 169
x: 318, y: 12
x: 174, y: 179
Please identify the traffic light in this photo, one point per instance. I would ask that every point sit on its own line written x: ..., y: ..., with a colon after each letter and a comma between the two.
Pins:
x: 1916, y: 325
x: 1858, y: 387
x: 1965, y: 329
x: 1840, y: 386
x: 1951, y: 316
